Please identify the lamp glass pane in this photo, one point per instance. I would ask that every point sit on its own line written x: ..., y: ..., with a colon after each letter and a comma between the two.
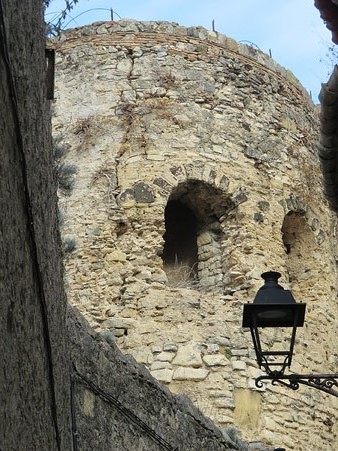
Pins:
x: 272, y: 315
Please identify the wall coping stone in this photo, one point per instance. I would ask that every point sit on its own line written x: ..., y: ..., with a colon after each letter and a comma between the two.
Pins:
x: 172, y: 31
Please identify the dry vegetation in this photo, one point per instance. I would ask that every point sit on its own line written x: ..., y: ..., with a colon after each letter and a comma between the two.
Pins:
x: 109, y: 176
x: 88, y: 129
x: 181, y: 275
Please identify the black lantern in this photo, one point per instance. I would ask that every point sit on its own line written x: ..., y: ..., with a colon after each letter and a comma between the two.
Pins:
x: 275, y: 307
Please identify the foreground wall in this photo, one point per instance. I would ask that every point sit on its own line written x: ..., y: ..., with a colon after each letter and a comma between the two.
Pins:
x: 154, y: 123
x: 34, y: 380
x: 117, y: 405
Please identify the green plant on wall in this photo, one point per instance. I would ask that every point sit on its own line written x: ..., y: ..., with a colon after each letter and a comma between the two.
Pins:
x: 69, y: 244
x: 66, y: 177
x: 65, y: 173
x: 227, y: 353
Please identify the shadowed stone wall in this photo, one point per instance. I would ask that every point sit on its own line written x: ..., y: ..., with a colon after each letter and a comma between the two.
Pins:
x: 34, y: 388
x: 148, y: 113
x: 117, y: 405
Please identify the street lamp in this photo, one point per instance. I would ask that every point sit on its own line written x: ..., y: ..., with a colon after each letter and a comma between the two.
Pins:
x: 275, y: 307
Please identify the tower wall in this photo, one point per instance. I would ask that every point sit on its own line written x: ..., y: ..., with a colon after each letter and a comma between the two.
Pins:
x: 148, y: 113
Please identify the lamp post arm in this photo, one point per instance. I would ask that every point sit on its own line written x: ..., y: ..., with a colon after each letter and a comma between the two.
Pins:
x: 327, y: 383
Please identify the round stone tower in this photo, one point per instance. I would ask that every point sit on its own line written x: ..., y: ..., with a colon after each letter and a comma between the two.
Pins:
x: 187, y: 167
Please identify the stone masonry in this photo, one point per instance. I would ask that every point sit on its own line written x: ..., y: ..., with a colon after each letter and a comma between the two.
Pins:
x: 118, y: 406
x: 187, y: 167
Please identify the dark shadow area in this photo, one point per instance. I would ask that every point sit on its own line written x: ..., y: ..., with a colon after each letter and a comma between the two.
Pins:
x: 180, y: 247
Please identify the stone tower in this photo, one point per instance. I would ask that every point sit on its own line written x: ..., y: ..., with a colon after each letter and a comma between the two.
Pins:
x: 187, y: 167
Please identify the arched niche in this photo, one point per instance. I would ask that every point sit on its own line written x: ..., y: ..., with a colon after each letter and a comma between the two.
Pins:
x: 192, y: 254
x: 300, y: 247
x: 180, y: 255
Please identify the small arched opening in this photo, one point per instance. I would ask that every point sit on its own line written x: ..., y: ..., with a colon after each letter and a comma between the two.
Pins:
x: 180, y: 255
x: 299, y: 245
x: 192, y: 253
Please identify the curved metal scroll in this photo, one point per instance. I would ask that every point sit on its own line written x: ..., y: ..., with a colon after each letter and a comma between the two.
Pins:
x: 327, y: 383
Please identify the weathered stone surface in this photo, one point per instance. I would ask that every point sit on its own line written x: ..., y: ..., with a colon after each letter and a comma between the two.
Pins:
x: 171, y: 347
x: 215, y: 360
x: 165, y: 356
x: 158, y: 365
x: 110, y: 388
x: 188, y: 355
x: 238, y: 364
x: 247, y: 408
x: 227, y: 133
x: 143, y: 193
x: 143, y: 356
x: 118, y: 323
x: 163, y: 375
x: 34, y: 379
x: 116, y: 256
x: 190, y: 374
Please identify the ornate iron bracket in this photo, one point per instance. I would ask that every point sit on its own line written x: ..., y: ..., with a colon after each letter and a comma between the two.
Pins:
x: 327, y: 383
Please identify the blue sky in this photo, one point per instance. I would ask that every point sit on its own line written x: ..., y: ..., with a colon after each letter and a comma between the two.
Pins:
x: 291, y: 29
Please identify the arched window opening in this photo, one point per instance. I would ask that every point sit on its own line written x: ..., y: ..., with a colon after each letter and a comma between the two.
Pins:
x: 180, y: 242
x: 192, y: 254
x: 290, y: 229
x: 299, y: 245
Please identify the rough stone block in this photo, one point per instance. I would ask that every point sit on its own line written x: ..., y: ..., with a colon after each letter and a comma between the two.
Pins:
x: 238, y: 364
x: 118, y: 323
x: 164, y: 375
x: 143, y: 355
x: 188, y: 355
x: 192, y: 374
x: 116, y: 256
x: 215, y: 360
x: 171, y: 347
x: 165, y: 356
x: 157, y: 365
